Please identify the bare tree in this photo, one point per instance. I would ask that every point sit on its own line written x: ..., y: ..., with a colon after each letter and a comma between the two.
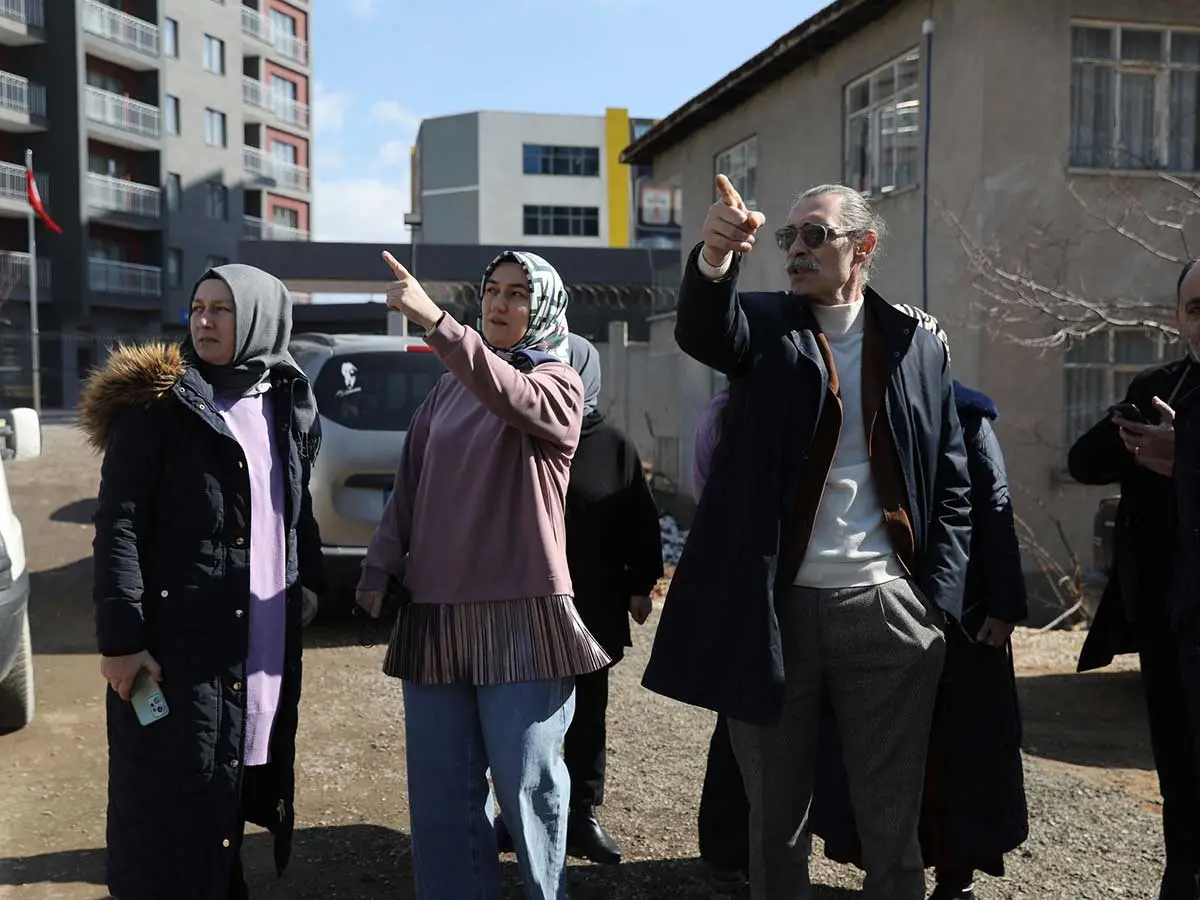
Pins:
x: 1011, y: 295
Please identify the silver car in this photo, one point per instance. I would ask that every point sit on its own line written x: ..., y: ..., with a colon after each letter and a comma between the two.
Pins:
x: 367, y: 388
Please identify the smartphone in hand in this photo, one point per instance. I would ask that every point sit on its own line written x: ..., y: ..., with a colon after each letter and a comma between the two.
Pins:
x: 148, y: 700
x: 1128, y: 411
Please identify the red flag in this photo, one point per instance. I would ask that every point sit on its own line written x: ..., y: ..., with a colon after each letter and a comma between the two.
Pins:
x: 35, y: 200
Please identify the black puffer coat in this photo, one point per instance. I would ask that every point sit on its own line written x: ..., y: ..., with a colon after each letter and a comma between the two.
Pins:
x: 172, y: 577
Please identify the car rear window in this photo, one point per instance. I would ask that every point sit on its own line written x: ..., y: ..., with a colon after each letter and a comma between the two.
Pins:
x: 375, y: 391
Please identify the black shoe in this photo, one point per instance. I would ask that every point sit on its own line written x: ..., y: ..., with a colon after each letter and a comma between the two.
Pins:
x: 587, y: 839
x: 504, y: 841
x: 953, y: 892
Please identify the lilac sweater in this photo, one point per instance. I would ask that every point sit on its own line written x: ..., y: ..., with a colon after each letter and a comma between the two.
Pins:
x: 708, y: 435
x: 250, y: 420
x: 478, y: 501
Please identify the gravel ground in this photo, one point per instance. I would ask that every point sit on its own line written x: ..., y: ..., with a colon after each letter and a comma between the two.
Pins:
x: 1092, y: 794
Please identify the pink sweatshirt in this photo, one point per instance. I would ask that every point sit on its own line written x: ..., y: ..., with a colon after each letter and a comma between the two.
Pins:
x: 478, y: 501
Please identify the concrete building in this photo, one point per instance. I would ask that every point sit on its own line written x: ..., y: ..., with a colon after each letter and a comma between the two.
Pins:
x: 164, y: 132
x: 1004, y: 115
x: 527, y: 179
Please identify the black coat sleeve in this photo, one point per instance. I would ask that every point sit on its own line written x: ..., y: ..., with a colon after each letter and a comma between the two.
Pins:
x: 308, y: 539
x: 710, y: 325
x: 1099, y: 456
x: 639, y: 525
x: 133, y: 458
x: 994, y: 544
x: 944, y: 566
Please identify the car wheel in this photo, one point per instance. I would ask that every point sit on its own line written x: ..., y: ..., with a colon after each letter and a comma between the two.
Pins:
x: 16, y: 690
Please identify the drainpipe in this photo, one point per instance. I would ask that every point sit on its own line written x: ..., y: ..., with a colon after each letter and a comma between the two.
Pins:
x: 927, y: 31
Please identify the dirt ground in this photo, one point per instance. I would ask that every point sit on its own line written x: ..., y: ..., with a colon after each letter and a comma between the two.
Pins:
x: 1093, y: 796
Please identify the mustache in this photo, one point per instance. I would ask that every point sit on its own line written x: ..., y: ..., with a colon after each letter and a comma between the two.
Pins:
x: 802, y: 264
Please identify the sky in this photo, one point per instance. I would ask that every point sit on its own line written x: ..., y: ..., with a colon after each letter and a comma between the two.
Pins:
x: 380, y: 66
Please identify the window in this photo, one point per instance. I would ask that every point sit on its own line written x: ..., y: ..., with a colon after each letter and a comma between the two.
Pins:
x: 288, y: 218
x: 217, y: 201
x: 282, y: 23
x: 740, y: 165
x: 562, y: 221
x: 174, y: 267
x: 285, y: 87
x: 1135, y: 98
x: 375, y: 391
x: 174, y: 191
x: 1097, y: 371
x: 540, y: 159
x: 170, y: 38
x: 214, y: 128
x: 284, y: 153
x: 214, y: 55
x: 171, y: 114
x: 883, y: 127
x: 105, y: 82
x: 213, y: 261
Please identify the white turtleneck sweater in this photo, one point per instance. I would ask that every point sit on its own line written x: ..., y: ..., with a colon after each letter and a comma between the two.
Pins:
x: 849, y: 545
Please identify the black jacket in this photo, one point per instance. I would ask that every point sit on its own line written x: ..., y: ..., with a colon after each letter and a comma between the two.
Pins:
x: 1144, y: 538
x: 1183, y: 600
x: 171, y: 576
x: 614, y: 546
x: 718, y: 643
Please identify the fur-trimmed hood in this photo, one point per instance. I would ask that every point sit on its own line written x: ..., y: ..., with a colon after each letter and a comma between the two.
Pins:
x: 133, y: 376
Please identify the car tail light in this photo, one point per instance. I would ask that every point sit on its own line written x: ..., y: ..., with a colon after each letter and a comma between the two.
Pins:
x: 418, y: 348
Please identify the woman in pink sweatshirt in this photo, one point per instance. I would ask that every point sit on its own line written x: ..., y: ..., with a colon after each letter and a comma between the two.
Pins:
x: 490, y: 643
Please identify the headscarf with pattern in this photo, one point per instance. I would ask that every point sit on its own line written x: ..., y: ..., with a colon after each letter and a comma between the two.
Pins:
x: 928, y: 322
x: 547, y: 329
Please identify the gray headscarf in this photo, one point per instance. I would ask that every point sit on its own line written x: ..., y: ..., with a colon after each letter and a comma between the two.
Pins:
x: 585, y: 359
x: 547, y: 329
x: 263, y: 310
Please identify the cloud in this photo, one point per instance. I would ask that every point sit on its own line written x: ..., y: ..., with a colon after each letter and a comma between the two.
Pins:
x: 361, y: 209
x: 396, y: 153
x: 389, y: 112
x: 327, y: 159
x: 362, y: 8
x: 329, y: 109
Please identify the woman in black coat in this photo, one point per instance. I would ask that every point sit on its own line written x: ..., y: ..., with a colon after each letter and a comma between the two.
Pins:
x: 974, y: 809
x: 193, y: 589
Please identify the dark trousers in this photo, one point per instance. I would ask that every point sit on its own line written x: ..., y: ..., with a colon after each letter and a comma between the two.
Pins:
x: 724, y: 821
x: 1171, y: 678
x: 585, y: 746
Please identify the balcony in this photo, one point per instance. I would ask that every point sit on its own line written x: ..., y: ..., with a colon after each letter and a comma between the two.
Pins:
x: 14, y: 196
x: 22, y: 22
x: 22, y: 104
x: 119, y: 37
x: 256, y: 25
x: 14, y: 276
x: 254, y: 229
x: 260, y: 96
x: 124, y: 202
x: 274, y: 173
x: 108, y: 276
x: 122, y: 121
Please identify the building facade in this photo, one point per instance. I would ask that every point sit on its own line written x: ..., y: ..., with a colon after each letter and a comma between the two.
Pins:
x: 163, y: 132
x: 1008, y: 127
x: 526, y: 179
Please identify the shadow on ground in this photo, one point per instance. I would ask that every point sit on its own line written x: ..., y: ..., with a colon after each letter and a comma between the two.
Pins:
x: 365, y: 862
x: 1094, y: 719
x: 78, y: 513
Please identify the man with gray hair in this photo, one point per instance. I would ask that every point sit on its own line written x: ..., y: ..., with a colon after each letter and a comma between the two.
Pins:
x: 829, y: 549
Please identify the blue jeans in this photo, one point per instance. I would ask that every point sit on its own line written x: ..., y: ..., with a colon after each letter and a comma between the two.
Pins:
x: 453, y: 734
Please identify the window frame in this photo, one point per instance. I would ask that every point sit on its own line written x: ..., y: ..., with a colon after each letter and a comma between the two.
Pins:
x: 870, y: 181
x: 174, y: 275
x: 553, y: 213
x: 170, y: 41
x: 212, y: 116
x: 1161, y: 69
x: 172, y: 115
x: 739, y: 179
x: 1112, y: 372
x: 548, y: 155
x: 173, y: 192
x: 213, y: 44
x: 216, y: 200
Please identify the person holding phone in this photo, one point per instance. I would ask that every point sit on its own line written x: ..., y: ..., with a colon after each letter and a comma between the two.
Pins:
x: 490, y: 644
x: 207, y: 560
x: 1133, y: 446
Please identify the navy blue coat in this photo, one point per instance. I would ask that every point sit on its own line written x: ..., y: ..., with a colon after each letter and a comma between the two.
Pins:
x: 718, y: 643
x: 171, y: 576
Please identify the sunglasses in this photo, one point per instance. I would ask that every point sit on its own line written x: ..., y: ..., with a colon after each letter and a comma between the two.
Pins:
x: 813, y: 234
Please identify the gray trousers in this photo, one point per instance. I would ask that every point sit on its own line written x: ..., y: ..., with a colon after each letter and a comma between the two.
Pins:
x: 878, y: 653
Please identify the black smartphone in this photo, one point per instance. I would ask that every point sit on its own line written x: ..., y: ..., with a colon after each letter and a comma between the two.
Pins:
x: 1129, y: 412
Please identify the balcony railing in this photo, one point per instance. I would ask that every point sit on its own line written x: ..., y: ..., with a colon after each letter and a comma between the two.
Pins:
x: 107, y: 194
x: 255, y: 229
x: 14, y: 274
x: 259, y: 26
x: 21, y: 96
x: 260, y: 95
x: 120, y: 28
x: 263, y: 165
x: 13, y: 185
x: 122, y: 113
x: 114, y: 277
x: 23, y: 12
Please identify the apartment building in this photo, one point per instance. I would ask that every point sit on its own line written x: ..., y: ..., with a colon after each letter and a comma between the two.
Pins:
x: 530, y: 179
x: 163, y: 132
